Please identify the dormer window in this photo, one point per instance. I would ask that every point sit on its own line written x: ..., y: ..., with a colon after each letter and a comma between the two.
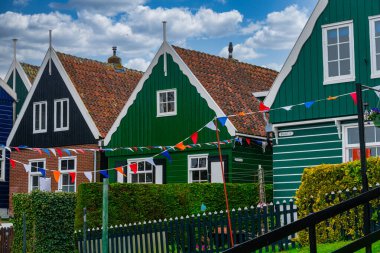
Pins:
x: 166, y: 103
x: 61, y: 114
x: 374, y: 31
x: 39, y: 117
x: 338, y: 53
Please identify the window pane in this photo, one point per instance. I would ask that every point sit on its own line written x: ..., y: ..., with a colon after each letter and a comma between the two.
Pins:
x: 148, y: 166
x: 333, y: 52
x: 65, y: 107
x: 345, y: 68
x: 377, y: 28
x: 204, y: 175
x: 353, y: 135
x: 163, y: 97
x: 195, y: 176
x: 194, y: 162
x: 141, y: 166
x: 171, y: 107
x: 378, y: 62
x: 134, y: 178
x: 141, y: 178
x: 63, y: 164
x: 35, y: 182
x: 171, y: 96
x: 65, y: 188
x: 34, y: 167
x: 377, y: 42
x: 149, y: 178
x: 70, y: 164
x: 344, y: 51
x: 332, y: 36
x: 43, y: 116
x: 370, y: 134
x: 65, y: 179
x: 37, y: 117
x: 58, y: 115
x: 162, y: 108
x: 344, y: 34
x: 202, y: 163
x: 72, y: 188
x: 333, y: 69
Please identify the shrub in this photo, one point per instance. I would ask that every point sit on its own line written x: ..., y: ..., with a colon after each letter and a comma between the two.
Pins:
x: 49, y: 221
x: 135, y: 202
x: 324, y: 179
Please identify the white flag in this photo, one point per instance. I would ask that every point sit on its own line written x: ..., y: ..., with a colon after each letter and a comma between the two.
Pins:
x: 53, y: 151
x: 150, y: 160
x: 377, y: 92
x: 88, y: 174
x: 287, y: 108
x: 27, y: 168
x: 211, y: 125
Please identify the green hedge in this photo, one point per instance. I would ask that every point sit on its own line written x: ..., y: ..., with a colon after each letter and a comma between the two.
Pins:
x: 49, y: 221
x: 135, y: 202
x: 321, y: 180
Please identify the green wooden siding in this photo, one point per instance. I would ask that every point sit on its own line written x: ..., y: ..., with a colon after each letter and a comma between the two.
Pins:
x: 305, y: 81
x: 310, y: 145
x: 21, y: 91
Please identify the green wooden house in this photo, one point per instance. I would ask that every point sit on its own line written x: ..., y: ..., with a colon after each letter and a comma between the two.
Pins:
x: 313, y: 124
x: 181, y: 91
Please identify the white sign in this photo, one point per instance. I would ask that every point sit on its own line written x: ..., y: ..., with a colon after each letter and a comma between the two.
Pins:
x: 238, y: 159
x: 286, y: 134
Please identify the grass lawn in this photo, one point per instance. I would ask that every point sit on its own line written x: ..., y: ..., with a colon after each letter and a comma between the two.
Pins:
x: 329, y: 247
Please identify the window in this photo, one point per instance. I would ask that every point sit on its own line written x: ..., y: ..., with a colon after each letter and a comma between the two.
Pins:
x: 351, y: 142
x: 2, y: 164
x: 35, y: 174
x: 166, y: 102
x: 39, y: 117
x: 144, y: 174
x: 198, y: 170
x: 67, y: 165
x: 374, y: 31
x: 61, y: 114
x: 338, y: 53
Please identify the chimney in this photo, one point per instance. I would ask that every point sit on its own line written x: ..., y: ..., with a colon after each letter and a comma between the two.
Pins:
x: 230, y: 50
x: 114, y: 59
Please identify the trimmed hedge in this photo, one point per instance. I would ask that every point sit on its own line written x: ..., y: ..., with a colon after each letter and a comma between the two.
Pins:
x: 49, y: 221
x: 324, y: 179
x: 136, y: 202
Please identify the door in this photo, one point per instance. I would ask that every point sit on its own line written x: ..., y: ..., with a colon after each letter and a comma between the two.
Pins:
x: 216, y: 172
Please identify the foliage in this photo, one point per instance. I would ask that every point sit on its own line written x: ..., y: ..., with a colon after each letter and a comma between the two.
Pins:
x: 49, y: 221
x: 374, y: 113
x: 314, y: 195
x: 130, y: 203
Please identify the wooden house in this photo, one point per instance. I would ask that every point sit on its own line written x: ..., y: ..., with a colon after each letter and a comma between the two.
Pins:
x: 181, y: 91
x: 315, y: 121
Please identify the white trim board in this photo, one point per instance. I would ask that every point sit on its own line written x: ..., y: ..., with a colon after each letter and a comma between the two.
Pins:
x: 8, y: 89
x: 70, y: 86
x: 316, y: 121
x: 21, y: 72
x: 167, y: 49
x: 293, y: 56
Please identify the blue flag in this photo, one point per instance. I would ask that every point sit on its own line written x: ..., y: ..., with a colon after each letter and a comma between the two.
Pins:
x: 222, y: 120
x: 46, y: 151
x: 167, y: 155
x: 42, y: 171
x: 309, y: 104
x: 67, y: 151
x: 104, y: 173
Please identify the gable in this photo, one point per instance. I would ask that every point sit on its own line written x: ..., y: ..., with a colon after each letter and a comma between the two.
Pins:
x: 20, y: 90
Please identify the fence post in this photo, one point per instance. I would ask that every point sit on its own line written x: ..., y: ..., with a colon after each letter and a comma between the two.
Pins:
x: 84, y: 230
x: 105, y: 216
x: 312, y: 239
x: 23, y: 233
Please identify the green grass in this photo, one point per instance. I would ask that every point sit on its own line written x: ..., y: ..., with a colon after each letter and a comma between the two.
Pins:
x: 329, y: 247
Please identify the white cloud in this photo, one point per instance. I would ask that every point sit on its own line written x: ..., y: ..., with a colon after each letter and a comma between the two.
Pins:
x: 138, y: 64
x: 274, y: 66
x: 241, y: 52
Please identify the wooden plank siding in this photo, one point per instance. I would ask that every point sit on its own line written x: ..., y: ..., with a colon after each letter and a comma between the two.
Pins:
x: 21, y: 90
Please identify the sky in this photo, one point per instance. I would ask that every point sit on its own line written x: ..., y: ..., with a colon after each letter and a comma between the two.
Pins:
x: 262, y: 31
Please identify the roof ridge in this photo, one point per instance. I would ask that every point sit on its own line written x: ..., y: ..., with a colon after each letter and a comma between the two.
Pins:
x: 225, y: 59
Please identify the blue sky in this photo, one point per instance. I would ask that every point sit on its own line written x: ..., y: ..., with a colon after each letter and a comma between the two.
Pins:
x: 262, y: 31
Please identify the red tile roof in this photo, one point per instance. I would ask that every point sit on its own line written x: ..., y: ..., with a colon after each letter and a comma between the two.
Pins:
x: 104, y: 91
x: 30, y: 71
x: 231, y: 83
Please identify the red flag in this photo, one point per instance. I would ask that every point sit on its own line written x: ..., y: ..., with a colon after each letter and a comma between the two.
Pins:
x: 38, y: 150
x: 134, y: 148
x: 354, y: 97
x: 80, y: 151
x: 13, y: 163
x: 72, y: 176
x: 18, y: 149
x: 194, y: 137
x: 133, y: 167
x: 248, y: 141
x: 59, y: 152
x: 263, y: 108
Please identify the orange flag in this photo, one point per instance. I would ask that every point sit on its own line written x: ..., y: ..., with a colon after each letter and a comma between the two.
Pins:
x: 57, y: 174
x: 180, y: 146
x: 241, y: 113
x: 120, y: 169
x: 331, y: 98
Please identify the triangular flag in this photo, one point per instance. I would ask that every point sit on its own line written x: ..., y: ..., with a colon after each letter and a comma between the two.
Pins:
x: 42, y: 171
x: 59, y: 152
x: 263, y: 108
x: 67, y: 151
x: 248, y: 141
x: 80, y: 151
x: 88, y: 174
x: 72, y: 176
x: 377, y: 92
x: 180, y: 146
x: 330, y: 98
x: 46, y: 151
x: 150, y: 160
x: 56, y: 174
x: 7, y: 148
x: 287, y: 108
x: 13, y: 163
x: 73, y: 150
x: 211, y: 125
x: 135, y: 149
x: 354, y: 97
x: 38, y: 150
x: 194, y: 137
x: 222, y: 120
x: 120, y: 170
x: 264, y: 145
x: 104, y: 173
x: 167, y: 155
x: 27, y: 168
x: 53, y: 151
x: 241, y: 114
x: 309, y: 104
x: 17, y: 148
x: 240, y: 140
x: 133, y: 167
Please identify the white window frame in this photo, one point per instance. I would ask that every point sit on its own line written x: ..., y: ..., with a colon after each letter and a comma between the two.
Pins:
x: 37, y: 173
x: 345, y: 78
x: 130, y: 172
x: 66, y: 172
x: 60, y: 128
x: 346, y: 146
x: 41, y: 129
x: 374, y: 72
x: 164, y: 114
x: 2, y: 165
x: 190, y: 170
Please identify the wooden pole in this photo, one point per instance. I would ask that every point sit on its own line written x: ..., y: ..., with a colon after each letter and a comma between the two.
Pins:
x: 224, y: 184
x: 105, y: 216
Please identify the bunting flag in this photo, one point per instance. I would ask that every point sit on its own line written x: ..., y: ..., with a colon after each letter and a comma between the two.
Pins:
x: 80, y: 151
x: 248, y: 141
x: 73, y: 150
x: 194, y: 137
x: 46, y: 151
x: 37, y: 150
x: 133, y: 167
x: 104, y: 173
x: 330, y: 98
x: 134, y: 148
x: 67, y: 151
x: 120, y: 170
x: 211, y: 125
x: 72, y: 176
x: 354, y: 97
x: 150, y: 160
x: 263, y: 108
x: 287, y: 108
x: 59, y: 152
x: 377, y: 92
x: 309, y: 104
x: 42, y: 171
x: 52, y: 150
x: 264, y: 145
x: 17, y: 148
x: 167, y: 155
x: 240, y: 140
x: 180, y: 146
x: 13, y: 163
x: 222, y: 120
x: 56, y: 174
x: 27, y: 168
x: 88, y: 175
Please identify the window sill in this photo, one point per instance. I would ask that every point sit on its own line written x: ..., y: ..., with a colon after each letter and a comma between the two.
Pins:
x: 60, y: 129
x: 40, y: 132
x: 375, y: 75
x: 167, y: 114
x: 339, y: 80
